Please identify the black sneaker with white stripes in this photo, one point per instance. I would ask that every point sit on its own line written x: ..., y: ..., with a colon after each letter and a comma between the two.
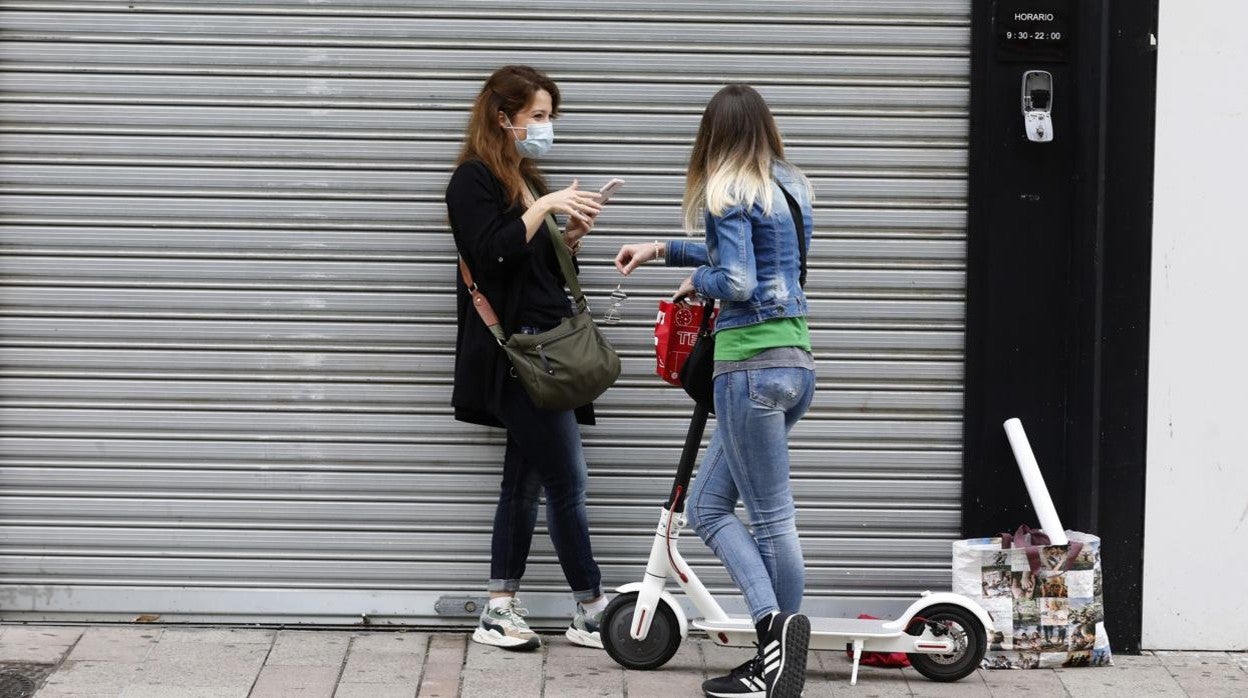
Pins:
x: 746, y: 681
x: 784, y: 655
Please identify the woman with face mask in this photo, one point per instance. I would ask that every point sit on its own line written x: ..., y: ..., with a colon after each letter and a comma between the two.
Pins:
x: 764, y: 379
x: 498, y: 202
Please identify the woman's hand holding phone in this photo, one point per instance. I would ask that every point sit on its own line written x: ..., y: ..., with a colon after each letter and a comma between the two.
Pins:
x: 579, y: 205
x: 578, y: 228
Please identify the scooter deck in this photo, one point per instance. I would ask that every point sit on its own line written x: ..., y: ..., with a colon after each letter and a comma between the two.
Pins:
x: 847, y: 628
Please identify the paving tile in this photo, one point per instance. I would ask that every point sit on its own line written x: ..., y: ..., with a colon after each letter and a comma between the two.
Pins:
x: 972, y: 685
x: 819, y: 684
x: 1197, y: 682
x: 1174, y: 659
x: 382, y: 668
x: 828, y: 672
x: 572, y: 670
x: 374, y: 690
x: 391, y: 642
x: 194, y: 665
x: 121, y: 644
x: 1206, y: 673
x: 309, y: 648
x: 206, y: 654
x: 444, y: 663
x: 37, y: 644
x: 386, y: 658
x: 303, y: 681
x: 144, y: 691
x: 1022, y: 682
x: 681, y: 676
x: 494, y: 671
x: 1131, y: 675
x: 233, y: 636
x: 92, y: 677
x: 54, y: 692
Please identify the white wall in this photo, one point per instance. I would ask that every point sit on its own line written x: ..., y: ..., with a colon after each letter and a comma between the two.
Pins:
x: 1196, y: 515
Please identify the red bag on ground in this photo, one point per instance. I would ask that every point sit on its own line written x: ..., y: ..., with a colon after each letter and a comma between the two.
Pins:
x: 675, y: 331
x: 887, y: 660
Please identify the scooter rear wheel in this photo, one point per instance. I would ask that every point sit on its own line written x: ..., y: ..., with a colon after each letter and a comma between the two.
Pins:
x: 969, y: 635
x: 653, y: 652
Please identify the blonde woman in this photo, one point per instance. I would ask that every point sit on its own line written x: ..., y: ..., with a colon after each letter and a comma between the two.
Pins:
x: 764, y: 376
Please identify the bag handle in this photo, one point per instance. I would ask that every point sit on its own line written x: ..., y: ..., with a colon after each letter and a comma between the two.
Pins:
x: 1030, y: 540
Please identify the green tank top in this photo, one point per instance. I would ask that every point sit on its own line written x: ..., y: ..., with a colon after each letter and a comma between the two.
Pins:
x: 741, y: 343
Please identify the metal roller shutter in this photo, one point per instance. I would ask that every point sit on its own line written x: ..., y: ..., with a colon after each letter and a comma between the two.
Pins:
x: 227, y: 312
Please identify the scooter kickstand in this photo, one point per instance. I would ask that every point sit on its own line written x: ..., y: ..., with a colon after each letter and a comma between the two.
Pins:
x: 853, y: 676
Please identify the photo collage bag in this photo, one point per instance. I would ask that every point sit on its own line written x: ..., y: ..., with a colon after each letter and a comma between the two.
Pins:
x: 1046, y: 601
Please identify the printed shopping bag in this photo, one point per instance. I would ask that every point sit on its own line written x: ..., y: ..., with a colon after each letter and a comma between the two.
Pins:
x: 1046, y: 601
x: 675, y: 331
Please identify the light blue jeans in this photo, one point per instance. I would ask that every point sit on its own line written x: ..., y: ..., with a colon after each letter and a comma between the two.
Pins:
x: 749, y: 459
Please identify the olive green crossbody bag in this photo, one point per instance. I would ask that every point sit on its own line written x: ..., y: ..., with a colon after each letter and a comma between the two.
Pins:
x: 563, y: 368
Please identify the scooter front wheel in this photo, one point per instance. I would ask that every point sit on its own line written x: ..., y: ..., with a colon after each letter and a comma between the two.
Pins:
x: 969, y: 637
x: 653, y: 652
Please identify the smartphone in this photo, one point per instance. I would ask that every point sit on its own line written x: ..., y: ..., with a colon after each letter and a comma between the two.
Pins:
x: 610, y: 188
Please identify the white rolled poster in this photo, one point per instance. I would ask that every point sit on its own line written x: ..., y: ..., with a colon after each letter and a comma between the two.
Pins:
x: 1030, y: 469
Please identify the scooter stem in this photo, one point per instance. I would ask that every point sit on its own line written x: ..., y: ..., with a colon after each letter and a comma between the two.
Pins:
x: 688, y: 456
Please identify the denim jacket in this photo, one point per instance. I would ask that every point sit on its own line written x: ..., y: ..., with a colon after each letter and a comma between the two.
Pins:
x: 749, y: 260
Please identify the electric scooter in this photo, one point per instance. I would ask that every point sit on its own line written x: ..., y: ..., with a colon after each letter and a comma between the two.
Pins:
x: 944, y: 635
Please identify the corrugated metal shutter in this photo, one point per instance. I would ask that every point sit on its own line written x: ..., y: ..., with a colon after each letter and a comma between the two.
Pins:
x: 227, y: 310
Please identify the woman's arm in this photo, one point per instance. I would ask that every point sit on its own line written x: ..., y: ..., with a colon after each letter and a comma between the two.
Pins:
x: 736, y: 276
x: 678, y: 253
x: 483, y: 231
x: 686, y: 253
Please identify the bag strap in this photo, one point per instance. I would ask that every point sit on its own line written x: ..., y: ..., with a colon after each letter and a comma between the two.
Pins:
x: 708, y: 309
x: 799, y: 223
x: 482, y: 304
x: 565, y: 259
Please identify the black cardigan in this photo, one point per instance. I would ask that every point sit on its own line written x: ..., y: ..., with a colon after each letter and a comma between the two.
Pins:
x: 490, y: 235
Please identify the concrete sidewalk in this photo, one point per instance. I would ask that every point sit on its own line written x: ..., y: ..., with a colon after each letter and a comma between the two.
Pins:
x: 153, y: 661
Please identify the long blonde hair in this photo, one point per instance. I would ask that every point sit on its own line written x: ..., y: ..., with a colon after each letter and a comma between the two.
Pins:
x: 733, y: 155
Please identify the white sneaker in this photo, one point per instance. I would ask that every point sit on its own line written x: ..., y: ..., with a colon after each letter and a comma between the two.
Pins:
x: 505, y: 627
x: 585, y: 630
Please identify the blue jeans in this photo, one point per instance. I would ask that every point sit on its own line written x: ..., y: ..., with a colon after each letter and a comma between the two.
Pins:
x: 543, y: 452
x: 749, y: 459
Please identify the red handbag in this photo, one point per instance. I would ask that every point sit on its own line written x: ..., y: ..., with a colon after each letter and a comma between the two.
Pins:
x: 675, y: 331
x: 887, y: 660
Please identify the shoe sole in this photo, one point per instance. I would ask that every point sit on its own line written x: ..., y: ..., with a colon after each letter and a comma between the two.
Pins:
x: 752, y: 694
x: 795, y: 641
x: 494, y: 639
x: 582, y: 638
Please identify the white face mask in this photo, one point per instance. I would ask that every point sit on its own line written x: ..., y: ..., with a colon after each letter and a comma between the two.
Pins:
x: 538, y: 138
